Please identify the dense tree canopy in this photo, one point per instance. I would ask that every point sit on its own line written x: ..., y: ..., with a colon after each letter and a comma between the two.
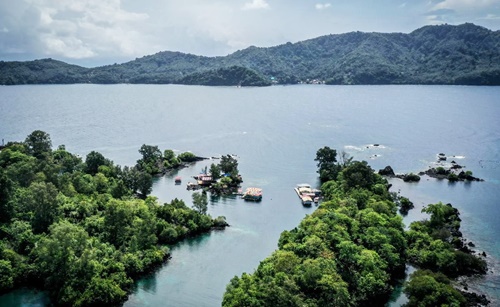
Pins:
x: 83, y: 229
x: 348, y: 252
x: 353, y: 248
x: 444, y: 54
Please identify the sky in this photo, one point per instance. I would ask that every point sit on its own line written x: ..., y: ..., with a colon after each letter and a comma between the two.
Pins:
x: 98, y: 32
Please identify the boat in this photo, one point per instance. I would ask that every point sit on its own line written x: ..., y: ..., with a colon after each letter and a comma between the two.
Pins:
x: 177, y: 180
x: 307, y: 200
x: 307, y: 194
x: 252, y: 194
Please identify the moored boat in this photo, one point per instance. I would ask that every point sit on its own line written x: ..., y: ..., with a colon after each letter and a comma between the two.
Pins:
x: 307, y: 200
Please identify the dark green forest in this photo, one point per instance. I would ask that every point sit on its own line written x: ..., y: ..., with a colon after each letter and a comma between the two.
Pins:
x: 84, y: 229
x: 443, y: 54
x: 353, y: 249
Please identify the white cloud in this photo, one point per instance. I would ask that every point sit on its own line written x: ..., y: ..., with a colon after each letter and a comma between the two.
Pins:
x: 256, y: 5
x: 322, y: 6
x: 462, y: 5
x: 98, y: 32
x: 491, y: 17
x: 82, y: 29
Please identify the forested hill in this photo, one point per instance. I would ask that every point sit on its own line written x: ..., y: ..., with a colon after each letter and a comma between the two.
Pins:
x: 444, y: 54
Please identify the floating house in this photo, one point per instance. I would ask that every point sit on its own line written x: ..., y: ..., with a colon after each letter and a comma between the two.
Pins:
x: 253, y: 194
x: 306, y: 194
x: 205, y: 180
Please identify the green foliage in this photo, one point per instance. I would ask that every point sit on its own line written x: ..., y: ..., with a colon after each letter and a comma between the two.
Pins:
x: 152, y: 159
x: 228, y: 165
x: 353, y: 247
x: 93, y: 161
x: 38, y: 144
x: 78, y: 229
x: 200, y: 202
x: 345, y: 253
x: 453, y: 177
x: 430, y: 244
x: 441, y: 170
x: 187, y: 157
x: 411, y: 177
x: 444, y: 54
x: 426, y: 288
x: 215, y: 171
x: 358, y: 175
x: 227, y: 76
x: 327, y: 167
x: 170, y: 160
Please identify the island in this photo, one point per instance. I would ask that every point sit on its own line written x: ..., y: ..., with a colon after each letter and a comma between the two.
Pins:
x: 84, y: 230
x: 353, y: 250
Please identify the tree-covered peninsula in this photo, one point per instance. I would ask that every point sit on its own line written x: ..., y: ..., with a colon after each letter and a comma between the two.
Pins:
x: 443, y: 54
x: 83, y: 229
x: 353, y: 249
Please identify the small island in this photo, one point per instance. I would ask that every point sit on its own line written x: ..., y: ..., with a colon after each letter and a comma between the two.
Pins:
x: 451, y: 173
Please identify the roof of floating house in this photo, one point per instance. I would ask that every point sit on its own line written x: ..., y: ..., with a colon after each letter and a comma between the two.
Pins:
x: 253, y: 191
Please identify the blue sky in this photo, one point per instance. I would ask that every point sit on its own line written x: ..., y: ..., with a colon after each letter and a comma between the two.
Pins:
x: 98, y: 32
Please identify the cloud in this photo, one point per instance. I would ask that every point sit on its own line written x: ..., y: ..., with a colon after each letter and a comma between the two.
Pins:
x: 256, y: 5
x: 98, y: 32
x: 460, y: 11
x: 491, y: 17
x: 461, y: 5
x: 322, y: 6
x: 75, y: 29
x: 440, y: 12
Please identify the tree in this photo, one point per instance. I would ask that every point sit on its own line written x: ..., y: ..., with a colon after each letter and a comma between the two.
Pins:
x: 144, y: 183
x: 187, y: 157
x: 39, y: 144
x: 327, y: 167
x: 215, y: 171
x: 137, y: 181
x: 151, y: 159
x: 325, y: 156
x: 56, y: 253
x: 358, y: 175
x: 170, y: 159
x: 93, y: 160
x: 6, y: 188
x: 38, y: 204
x: 228, y: 164
x: 426, y: 288
x: 344, y: 159
x: 200, y: 202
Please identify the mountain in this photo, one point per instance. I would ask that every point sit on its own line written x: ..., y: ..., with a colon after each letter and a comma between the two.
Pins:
x: 465, y: 54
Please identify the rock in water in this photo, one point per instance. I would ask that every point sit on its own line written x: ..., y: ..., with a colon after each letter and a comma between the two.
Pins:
x: 387, y: 171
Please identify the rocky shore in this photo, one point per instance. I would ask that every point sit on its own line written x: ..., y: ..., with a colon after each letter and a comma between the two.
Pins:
x: 452, y: 173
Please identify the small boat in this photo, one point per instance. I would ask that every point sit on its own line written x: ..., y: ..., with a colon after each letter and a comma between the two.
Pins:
x: 177, y: 180
x: 253, y: 194
x: 307, y: 201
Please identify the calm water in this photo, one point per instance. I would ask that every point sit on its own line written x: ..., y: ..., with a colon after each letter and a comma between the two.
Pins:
x: 275, y: 133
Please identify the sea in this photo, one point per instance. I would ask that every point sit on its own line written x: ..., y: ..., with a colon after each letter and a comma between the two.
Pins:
x: 274, y: 132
